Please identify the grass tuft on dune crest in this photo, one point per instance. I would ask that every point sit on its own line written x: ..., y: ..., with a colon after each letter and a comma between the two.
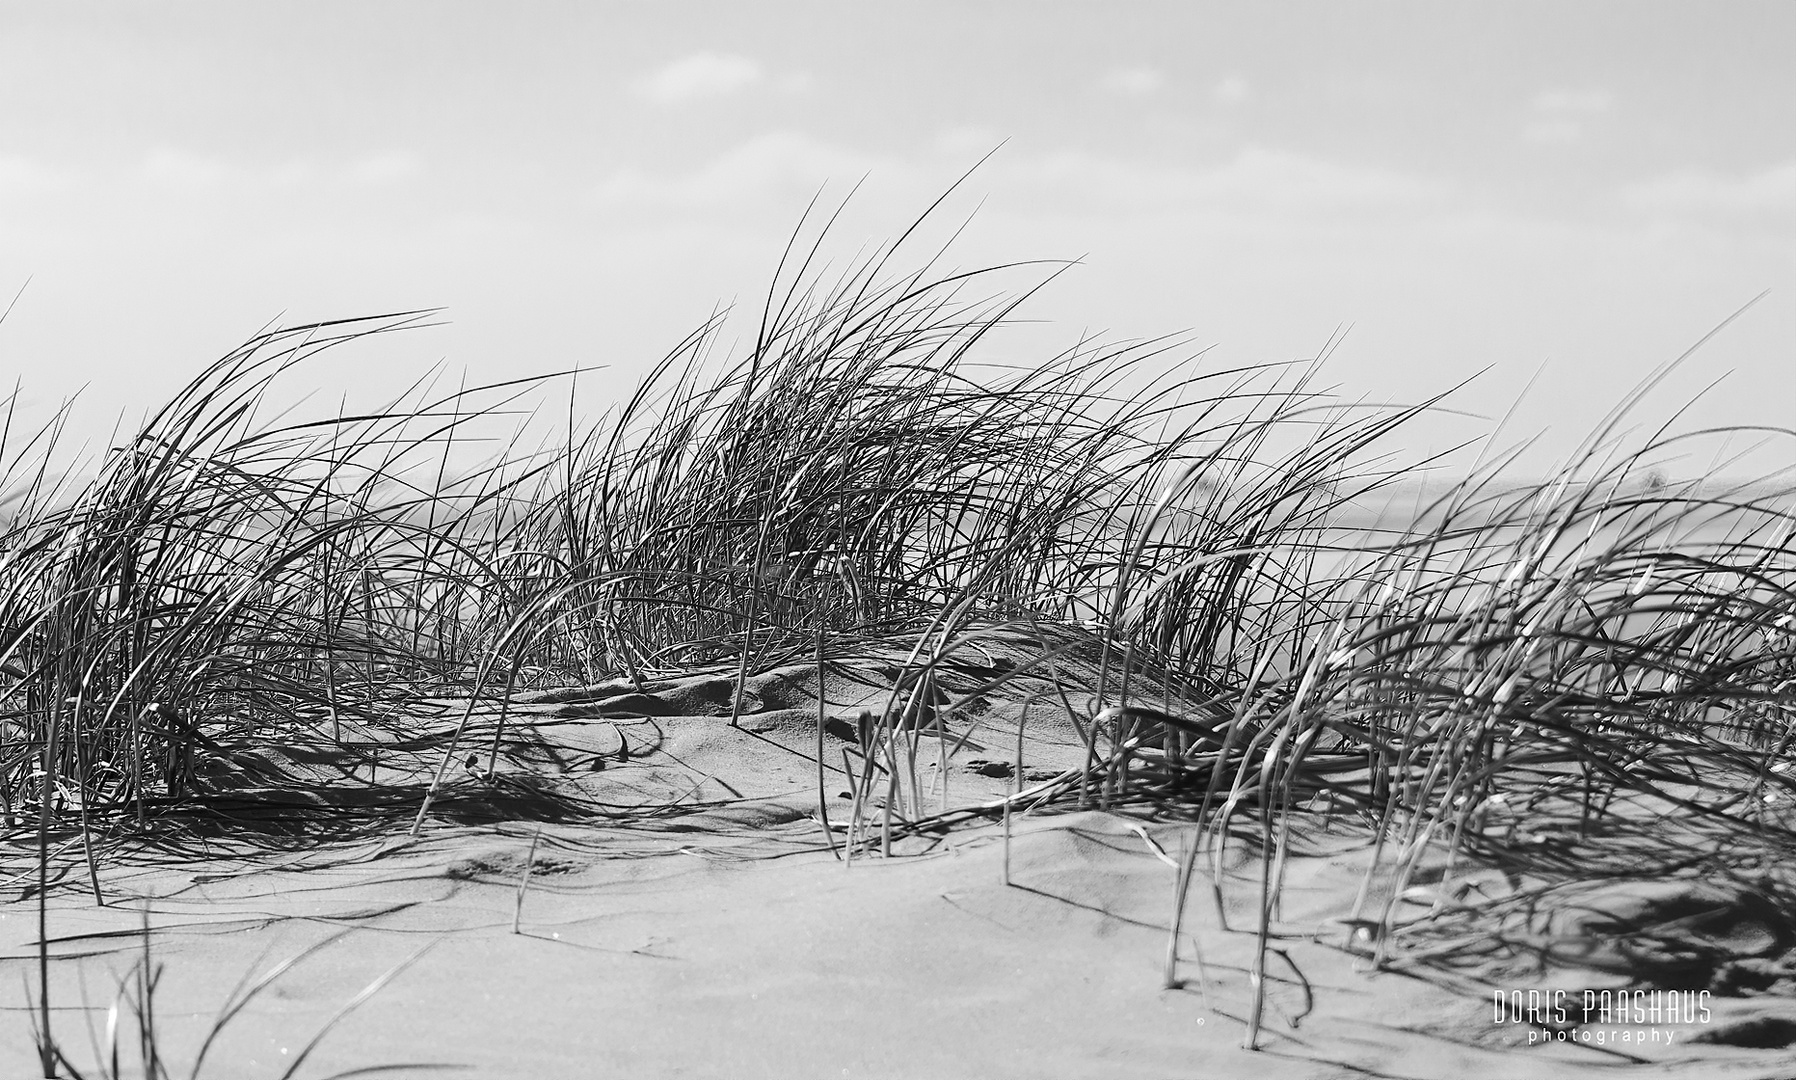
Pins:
x: 1510, y: 668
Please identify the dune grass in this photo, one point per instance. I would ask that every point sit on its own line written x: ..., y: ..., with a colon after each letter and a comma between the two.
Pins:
x: 1497, y: 658
x: 133, y: 1012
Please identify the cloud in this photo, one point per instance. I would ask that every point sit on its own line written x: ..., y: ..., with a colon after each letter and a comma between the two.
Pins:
x: 1701, y: 192
x: 1259, y: 182
x: 377, y: 170
x: 1556, y: 131
x: 780, y: 163
x: 1587, y: 102
x: 971, y: 141
x: 20, y: 174
x: 1561, y: 114
x: 1231, y: 91
x: 173, y: 168
x: 1132, y: 81
x: 183, y: 170
x: 709, y: 75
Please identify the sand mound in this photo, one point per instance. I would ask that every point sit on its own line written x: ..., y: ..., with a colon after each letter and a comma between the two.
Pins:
x: 753, y: 952
x: 1667, y: 934
x: 684, y: 909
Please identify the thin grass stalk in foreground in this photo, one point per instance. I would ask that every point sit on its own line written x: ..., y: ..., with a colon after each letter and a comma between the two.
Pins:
x: 1188, y: 852
x: 1016, y: 783
x: 822, y: 720
x: 517, y: 910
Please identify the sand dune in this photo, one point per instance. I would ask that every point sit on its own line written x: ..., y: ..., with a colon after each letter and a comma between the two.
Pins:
x: 723, y: 936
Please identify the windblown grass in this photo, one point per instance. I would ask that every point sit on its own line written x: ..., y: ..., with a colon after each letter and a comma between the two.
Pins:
x: 1501, y: 668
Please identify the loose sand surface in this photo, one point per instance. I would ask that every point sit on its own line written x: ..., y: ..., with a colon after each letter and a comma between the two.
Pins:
x: 726, y: 937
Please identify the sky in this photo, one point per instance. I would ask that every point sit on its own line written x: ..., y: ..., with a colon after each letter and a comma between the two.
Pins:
x: 1551, y: 197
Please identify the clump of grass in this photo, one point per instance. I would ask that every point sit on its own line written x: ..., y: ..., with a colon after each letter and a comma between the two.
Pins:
x: 1505, y: 653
